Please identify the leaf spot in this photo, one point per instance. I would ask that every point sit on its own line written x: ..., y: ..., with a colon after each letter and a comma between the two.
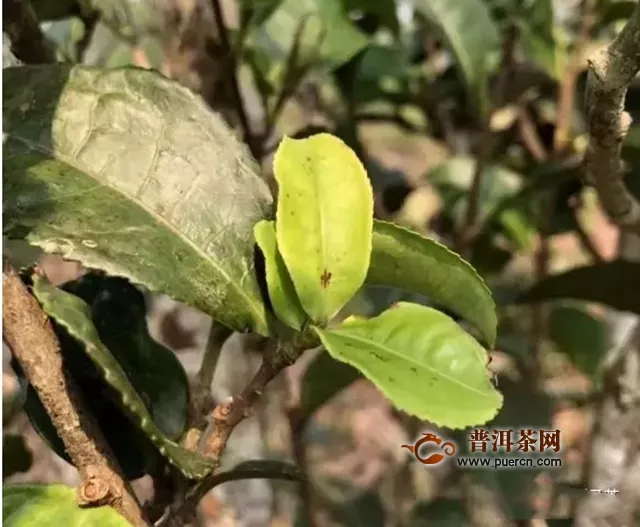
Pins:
x: 325, y: 279
x: 90, y: 243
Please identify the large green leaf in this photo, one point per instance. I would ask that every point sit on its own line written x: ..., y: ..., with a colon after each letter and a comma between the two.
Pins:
x: 323, y: 379
x: 472, y: 36
x: 422, y: 361
x: 614, y: 284
x: 324, y: 221
x: 75, y: 316
x: 52, y: 506
x: 127, y: 171
x: 282, y: 293
x: 405, y: 259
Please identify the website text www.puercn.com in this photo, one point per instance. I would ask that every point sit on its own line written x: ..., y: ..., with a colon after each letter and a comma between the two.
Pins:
x: 509, y: 462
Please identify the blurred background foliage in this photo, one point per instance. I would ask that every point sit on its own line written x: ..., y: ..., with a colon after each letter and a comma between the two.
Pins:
x: 468, y: 116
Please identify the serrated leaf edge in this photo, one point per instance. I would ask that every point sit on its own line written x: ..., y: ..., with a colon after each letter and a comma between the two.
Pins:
x: 464, y: 262
x: 167, y: 448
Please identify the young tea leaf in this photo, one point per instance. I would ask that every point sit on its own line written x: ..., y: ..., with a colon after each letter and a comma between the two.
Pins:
x: 282, y: 292
x: 324, y: 221
x: 404, y: 259
x: 52, y: 506
x: 425, y: 363
x: 74, y: 315
x: 127, y: 171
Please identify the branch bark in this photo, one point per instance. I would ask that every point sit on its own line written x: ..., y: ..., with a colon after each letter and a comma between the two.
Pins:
x: 614, y: 462
x: 611, y: 70
x: 615, y: 449
x: 227, y: 416
x: 34, y: 345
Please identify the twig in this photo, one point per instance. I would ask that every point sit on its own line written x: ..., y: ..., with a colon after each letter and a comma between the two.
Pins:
x: 470, y: 228
x: 293, y: 74
x: 585, y: 240
x: 567, y: 94
x: 201, y: 401
x: 28, y: 43
x: 297, y: 424
x: 175, y: 515
x: 566, y: 99
x: 611, y: 70
x: 530, y: 137
x: 34, y: 345
x: 231, y: 67
x: 226, y: 417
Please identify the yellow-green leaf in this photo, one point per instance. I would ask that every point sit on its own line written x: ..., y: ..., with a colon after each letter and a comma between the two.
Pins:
x: 282, y: 293
x: 424, y: 362
x: 324, y: 221
x: 404, y: 259
x: 52, y: 506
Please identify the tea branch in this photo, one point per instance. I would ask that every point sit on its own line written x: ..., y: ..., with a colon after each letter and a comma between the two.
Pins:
x: 226, y: 416
x: 611, y: 70
x: 35, y: 347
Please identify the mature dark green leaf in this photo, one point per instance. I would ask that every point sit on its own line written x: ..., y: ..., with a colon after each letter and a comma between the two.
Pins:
x: 615, y: 10
x: 473, y: 38
x: 328, y: 33
x: 424, y: 362
x: 442, y: 512
x: 406, y: 260
x: 52, y: 506
x: 127, y: 171
x: 16, y: 456
x: 581, y: 335
x: 322, y: 380
x: 324, y: 221
x: 120, y: 370
x: 47, y: 10
x: 614, y: 284
x: 383, y: 10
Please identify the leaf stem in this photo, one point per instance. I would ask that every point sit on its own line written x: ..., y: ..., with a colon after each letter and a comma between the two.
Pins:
x: 201, y: 400
x: 218, y: 335
x: 35, y: 347
x: 225, y: 417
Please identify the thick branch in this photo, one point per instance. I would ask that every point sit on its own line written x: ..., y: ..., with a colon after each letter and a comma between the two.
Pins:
x: 34, y: 345
x: 611, y: 70
x: 21, y: 26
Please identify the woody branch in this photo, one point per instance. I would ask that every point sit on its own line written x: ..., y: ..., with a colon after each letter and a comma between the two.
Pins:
x: 611, y: 70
